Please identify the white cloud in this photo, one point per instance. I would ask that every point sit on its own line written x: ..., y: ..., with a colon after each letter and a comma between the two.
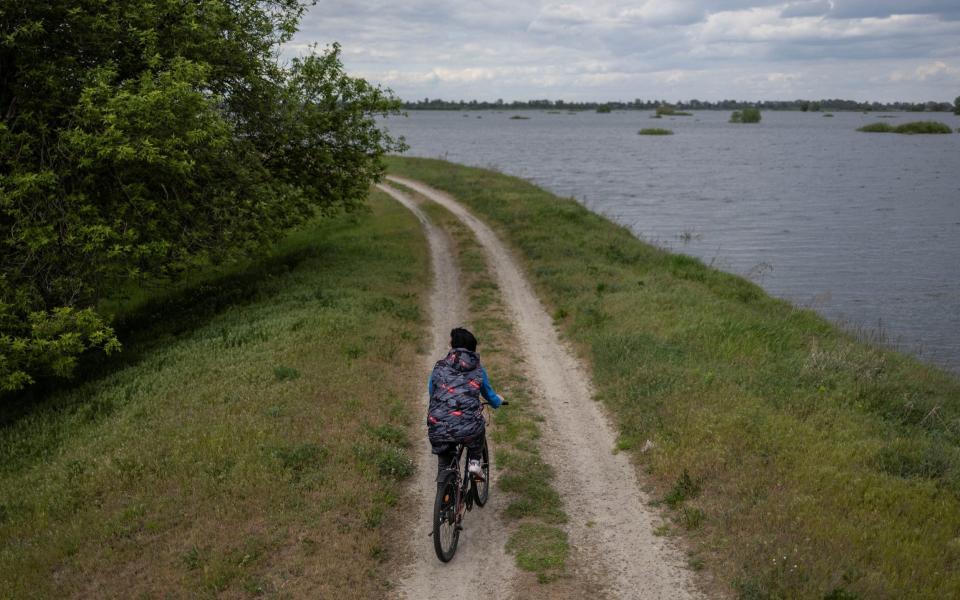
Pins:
x: 604, y: 49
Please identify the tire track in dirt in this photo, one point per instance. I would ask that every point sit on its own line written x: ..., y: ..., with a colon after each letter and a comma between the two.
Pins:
x: 481, y: 563
x: 611, y: 528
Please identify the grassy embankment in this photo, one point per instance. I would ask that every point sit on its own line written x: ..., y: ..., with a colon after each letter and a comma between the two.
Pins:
x: 912, y: 127
x: 248, y: 441
x: 798, y: 462
x: 535, y: 509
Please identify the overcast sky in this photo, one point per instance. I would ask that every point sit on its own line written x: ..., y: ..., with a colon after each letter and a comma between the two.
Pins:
x: 657, y: 49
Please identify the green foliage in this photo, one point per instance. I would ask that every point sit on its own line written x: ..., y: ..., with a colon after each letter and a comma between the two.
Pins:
x: 749, y: 114
x: 604, y: 109
x: 912, y: 127
x: 655, y: 131
x: 141, y: 139
x: 956, y: 106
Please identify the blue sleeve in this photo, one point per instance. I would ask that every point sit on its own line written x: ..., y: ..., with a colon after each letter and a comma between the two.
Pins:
x: 487, y: 391
x: 430, y: 386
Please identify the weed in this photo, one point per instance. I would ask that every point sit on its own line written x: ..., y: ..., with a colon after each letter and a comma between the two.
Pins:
x: 684, y: 489
x: 285, y: 373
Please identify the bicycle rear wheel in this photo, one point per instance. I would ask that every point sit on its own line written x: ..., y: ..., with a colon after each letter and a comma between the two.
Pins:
x: 445, y: 531
x: 481, y: 489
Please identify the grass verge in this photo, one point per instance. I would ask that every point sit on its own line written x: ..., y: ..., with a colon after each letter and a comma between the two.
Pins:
x: 798, y: 461
x: 536, y: 509
x: 253, y: 450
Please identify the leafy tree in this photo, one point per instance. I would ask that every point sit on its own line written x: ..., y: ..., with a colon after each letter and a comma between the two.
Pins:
x: 956, y: 106
x: 140, y: 138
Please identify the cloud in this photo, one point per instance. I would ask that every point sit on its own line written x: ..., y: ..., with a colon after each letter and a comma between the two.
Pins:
x: 605, y: 49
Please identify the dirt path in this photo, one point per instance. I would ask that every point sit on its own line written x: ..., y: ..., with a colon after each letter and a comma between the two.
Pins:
x: 611, y: 529
x: 481, y: 563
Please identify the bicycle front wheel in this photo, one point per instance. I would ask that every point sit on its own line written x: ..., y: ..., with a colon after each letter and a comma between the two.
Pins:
x: 445, y: 531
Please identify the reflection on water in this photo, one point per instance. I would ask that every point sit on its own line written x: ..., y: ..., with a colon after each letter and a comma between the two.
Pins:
x: 865, y: 228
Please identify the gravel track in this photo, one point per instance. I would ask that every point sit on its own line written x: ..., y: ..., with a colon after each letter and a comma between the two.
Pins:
x: 611, y: 528
x: 481, y: 563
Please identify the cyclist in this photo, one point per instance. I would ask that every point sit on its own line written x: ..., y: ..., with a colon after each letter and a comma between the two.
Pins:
x: 455, y: 386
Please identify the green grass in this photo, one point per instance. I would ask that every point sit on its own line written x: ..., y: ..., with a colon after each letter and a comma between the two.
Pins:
x: 519, y: 118
x: 822, y: 465
x: 655, y: 131
x: 534, y: 504
x: 910, y: 128
x: 250, y: 442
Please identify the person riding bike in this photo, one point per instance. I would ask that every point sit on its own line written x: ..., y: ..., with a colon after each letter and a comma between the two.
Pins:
x: 454, y: 417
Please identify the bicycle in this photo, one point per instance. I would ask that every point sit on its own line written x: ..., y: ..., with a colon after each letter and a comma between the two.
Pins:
x: 456, y: 493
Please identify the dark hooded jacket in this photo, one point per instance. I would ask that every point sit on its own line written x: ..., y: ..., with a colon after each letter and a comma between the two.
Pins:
x: 454, y: 414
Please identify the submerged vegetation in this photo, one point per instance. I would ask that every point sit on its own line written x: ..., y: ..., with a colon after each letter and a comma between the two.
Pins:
x: 751, y: 114
x: 668, y: 110
x: 655, y: 131
x: 799, y: 462
x: 912, y: 127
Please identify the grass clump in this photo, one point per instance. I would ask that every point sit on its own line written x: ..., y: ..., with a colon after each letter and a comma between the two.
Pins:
x: 750, y: 114
x: 913, y: 127
x: 519, y: 118
x: 184, y: 466
x: 655, y: 131
x: 540, y: 549
x: 822, y: 463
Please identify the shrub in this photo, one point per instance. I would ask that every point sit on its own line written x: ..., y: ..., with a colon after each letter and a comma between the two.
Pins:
x: 655, y: 131
x: 751, y: 114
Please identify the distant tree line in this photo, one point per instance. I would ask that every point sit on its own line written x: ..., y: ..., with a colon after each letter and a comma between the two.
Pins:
x: 140, y: 139
x: 832, y: 104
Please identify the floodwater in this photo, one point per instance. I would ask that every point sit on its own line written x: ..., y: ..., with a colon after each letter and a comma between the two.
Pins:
x: 864, y: 228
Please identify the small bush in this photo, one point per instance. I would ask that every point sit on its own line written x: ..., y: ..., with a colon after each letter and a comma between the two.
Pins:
x: 751, y: 114
x: 655, y: 131
x: 519, y: 118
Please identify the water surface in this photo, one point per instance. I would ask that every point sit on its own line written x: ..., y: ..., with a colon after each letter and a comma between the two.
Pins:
x: 865, y: 228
